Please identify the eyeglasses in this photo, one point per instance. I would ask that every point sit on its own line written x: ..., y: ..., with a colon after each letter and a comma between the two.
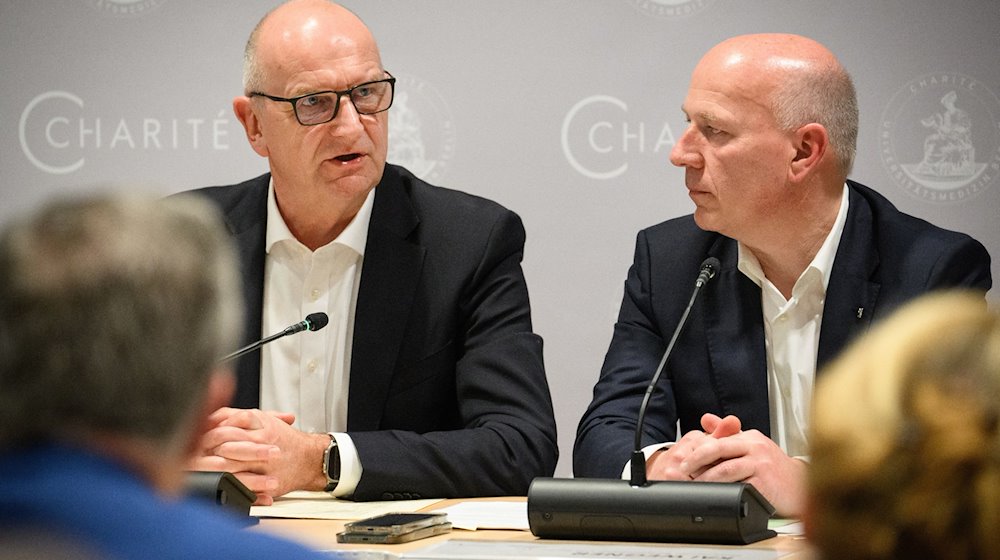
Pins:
x: 322, y: 106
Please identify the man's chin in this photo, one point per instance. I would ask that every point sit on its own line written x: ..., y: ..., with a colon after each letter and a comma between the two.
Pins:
x: 354, y: 184
x: 705, y: 221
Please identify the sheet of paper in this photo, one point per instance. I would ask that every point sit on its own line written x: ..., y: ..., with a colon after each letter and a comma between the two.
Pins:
x: 504, y: 550
x: 488, y: 515
x: 360, y: 555
x: 320, y: 505
x: 786, y: 526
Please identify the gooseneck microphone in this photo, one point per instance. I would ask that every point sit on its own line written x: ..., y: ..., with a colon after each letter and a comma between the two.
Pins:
x: 223, y: 488
x: 312, y: 322
x: 638, y: 510
x: 709, y: 267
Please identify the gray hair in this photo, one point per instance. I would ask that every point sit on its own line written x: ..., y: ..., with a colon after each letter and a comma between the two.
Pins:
x: 825, y: 96
x: 113, y: 312
x: 253, y: 72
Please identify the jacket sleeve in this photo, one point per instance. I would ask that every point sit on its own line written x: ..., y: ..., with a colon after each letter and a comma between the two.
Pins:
x: 965, y: 265
x: 605, y: 435
x: 495, y: 428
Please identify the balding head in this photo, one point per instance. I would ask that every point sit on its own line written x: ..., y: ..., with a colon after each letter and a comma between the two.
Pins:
x: 300, y: 25
x: 314, y: 51
x: 798, y: 79
x: 771, y: 52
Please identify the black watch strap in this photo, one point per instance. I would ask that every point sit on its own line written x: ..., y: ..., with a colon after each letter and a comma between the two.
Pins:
x: 331, y: 465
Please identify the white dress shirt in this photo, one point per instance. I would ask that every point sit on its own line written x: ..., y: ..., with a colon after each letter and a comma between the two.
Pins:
x: 308, y: 374
x: 791, y: 340
x: 791, y: 337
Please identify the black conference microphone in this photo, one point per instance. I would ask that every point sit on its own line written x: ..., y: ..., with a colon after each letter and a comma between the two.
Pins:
x: 665, y: 511
x: 709, y: 267
x: 224, y: 488
x: 312, y: 322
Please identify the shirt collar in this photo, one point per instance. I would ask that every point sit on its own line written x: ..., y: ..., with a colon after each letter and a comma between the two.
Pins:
x: 822, y: 263
x: 354, y: 236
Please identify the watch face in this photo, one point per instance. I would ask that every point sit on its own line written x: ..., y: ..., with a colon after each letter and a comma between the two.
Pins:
x: 331, y: 463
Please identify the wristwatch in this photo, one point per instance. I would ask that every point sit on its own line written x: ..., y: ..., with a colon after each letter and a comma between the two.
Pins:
x: 331, y: 465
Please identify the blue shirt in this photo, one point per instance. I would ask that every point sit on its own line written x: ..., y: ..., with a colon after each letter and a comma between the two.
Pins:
x: 93, y: 501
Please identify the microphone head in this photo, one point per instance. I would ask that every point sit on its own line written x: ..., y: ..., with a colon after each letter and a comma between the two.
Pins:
x: 317, y: 321
x: 711, y: 265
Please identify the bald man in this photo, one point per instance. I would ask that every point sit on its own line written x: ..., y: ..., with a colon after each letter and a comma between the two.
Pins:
x: 808, y: 259
x: 428, y: 381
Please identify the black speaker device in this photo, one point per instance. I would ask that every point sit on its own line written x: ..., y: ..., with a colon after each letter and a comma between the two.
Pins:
x: 222, y: 489
x: 663, y: 511
x: 639, y: 510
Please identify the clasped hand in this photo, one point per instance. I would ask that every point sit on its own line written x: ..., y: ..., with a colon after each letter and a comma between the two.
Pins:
x: 263, y: 450
x: 725, y: 453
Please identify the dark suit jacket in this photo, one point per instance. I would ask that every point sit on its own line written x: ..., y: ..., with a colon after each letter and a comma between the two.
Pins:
x: 719, y: 364
x: 448, y: 395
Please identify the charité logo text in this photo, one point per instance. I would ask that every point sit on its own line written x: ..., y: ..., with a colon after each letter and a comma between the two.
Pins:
x: 58, y: 133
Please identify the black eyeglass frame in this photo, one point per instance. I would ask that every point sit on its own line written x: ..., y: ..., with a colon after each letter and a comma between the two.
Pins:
x: 391, y: 80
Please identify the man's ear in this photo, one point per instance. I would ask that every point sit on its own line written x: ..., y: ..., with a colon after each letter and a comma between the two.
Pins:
x: 245, y: 110
x: 811, y: 143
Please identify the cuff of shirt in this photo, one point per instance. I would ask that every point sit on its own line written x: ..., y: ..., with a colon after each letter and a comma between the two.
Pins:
x: 648, y: 452
x: 350, y: 466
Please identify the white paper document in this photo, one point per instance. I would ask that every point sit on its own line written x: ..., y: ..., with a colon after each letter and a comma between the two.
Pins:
x: 786, y: 526
x: 504, y: 550
x: 321, y: 505
x: 488, y: 515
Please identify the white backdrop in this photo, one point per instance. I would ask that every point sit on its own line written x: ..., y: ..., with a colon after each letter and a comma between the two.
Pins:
x: 563, y: 110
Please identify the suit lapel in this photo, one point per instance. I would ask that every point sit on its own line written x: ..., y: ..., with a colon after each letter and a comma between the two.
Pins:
x: 734, y: 332
x: 247, y: 221
x: 389, y: 278
x: 853, y: 291
x: 734, y: 327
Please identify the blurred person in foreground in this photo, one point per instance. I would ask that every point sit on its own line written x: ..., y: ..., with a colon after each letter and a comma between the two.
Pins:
x: 809, y: 259
x: 113, y: 313
x: 905, y: 438
x: 428, y: 381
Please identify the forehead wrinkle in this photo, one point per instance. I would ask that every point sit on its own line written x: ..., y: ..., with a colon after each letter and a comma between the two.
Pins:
x: 302, y: 89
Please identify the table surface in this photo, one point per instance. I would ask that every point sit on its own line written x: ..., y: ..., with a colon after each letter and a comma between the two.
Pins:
x: 321, y: 534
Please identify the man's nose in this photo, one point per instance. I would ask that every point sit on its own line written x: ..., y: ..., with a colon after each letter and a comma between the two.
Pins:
x: 347, y: 117
x: 683, y: 153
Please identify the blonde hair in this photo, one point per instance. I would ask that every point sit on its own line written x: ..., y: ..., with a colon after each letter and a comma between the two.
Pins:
x: 905, y: 451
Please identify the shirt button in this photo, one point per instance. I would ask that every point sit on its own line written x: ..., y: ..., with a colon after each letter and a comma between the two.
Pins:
x: 314, y: 295
x: 311, y: 366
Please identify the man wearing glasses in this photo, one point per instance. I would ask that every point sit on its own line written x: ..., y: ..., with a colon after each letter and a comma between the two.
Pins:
x: 428, y: 381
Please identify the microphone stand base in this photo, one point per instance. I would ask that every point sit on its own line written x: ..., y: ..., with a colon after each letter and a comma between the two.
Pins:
x: 663, y: 511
